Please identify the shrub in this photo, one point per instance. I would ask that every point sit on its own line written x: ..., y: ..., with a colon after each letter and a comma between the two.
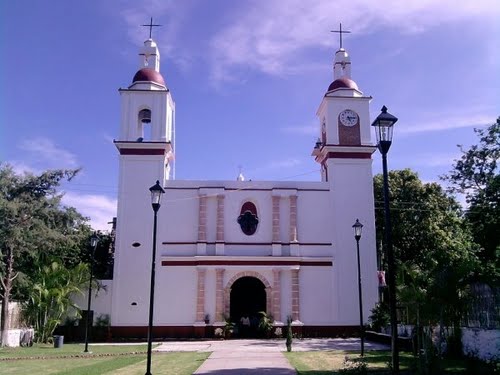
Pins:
x: 354, y: 366
x: 289, y: 335
x: 379, y: 317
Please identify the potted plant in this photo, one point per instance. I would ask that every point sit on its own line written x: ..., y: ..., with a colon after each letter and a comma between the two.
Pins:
x: 207, y: 318
x: 219, y: 333
x: 265, y: 324
x: 228, y: 328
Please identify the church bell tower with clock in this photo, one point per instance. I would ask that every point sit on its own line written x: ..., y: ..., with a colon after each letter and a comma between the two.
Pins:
x: 344, y: 151
x: 344, y: 118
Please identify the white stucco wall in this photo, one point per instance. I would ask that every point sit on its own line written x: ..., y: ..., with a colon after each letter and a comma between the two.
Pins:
x: 316, y: 298
x: 481, y: 343
x: 334, y: 288
x: 101, y: 299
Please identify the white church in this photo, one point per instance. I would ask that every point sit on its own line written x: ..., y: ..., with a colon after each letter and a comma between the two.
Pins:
x: 240, y: 247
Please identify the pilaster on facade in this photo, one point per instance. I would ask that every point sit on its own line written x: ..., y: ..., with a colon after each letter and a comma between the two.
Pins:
x: 293, y: 219
x: 202, y: 218
x: 219, y: 237
x: 202, y: 225
x: 276, y: 303
x: 219, y: 295
x: 276, y: 218
x: 200, y: 299
x: 294, y: 240
x: 276, y: 246
x: 295, y: 295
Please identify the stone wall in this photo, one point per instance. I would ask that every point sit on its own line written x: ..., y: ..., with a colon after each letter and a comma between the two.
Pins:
x: 15, y: 314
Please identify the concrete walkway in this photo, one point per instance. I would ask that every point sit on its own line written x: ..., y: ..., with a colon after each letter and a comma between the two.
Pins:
x: 253, y: 357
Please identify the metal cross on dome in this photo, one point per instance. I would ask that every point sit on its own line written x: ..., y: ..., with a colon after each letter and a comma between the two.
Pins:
x: 151, y: 25
x: 340, y: 32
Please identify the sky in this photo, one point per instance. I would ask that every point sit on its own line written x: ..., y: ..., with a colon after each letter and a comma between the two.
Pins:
x: 247, y: 78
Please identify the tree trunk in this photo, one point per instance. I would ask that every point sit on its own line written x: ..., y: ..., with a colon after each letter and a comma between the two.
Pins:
x: 7, y: 287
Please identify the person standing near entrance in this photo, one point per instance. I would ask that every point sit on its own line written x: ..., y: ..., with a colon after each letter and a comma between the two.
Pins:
x: 245, y: 325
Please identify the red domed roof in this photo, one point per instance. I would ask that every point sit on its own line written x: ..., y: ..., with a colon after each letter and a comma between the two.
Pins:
x: 149, y: 75
x: 343, y: 82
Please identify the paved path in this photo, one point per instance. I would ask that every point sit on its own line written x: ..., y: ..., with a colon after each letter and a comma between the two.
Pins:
x: 253, y: 357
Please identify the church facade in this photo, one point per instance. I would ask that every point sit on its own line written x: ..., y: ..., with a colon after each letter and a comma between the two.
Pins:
x: 228, y: 249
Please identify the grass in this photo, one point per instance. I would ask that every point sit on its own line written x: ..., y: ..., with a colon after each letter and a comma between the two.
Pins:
x: 15, y: 361
x: 48, y: 350
x: 330, y: 362
x: 324, y: 362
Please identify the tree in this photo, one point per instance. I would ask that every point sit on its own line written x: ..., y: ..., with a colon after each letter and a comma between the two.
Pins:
x: 103, y: 257
x: 34, y: 226
x: 434, y: 251
x: 51, y: 294
x: 477, y: 175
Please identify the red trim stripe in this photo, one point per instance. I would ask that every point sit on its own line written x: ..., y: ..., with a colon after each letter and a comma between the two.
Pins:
x: 142, y: 151
x: 228, y: 262
x: 249, y: 243
x: 348, y: 155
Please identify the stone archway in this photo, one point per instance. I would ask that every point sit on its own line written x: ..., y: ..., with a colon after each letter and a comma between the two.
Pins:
x: 247, y: 298
x: 227, y: 290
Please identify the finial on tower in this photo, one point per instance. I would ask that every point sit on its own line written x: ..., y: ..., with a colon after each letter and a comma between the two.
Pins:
x: 240, y: 175
x: 151, y: 25
x: 340, y: 31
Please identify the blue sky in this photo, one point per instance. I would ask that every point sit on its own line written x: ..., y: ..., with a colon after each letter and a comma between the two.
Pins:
x: 247, y: 78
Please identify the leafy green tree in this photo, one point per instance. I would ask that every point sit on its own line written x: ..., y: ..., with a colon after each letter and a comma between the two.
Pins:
x: 103, y: 257
x: 477, y: 175
x: 51, y: 294
x: 34, y: 226
x: 434, y: 250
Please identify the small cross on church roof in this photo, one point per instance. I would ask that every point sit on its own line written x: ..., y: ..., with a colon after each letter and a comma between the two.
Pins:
x: 340, y: 32
x: 151, y: 25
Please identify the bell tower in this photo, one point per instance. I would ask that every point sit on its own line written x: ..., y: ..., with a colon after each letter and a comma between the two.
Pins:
x: 145, y: 156
x: 344, y: 151
x: 344, y: 118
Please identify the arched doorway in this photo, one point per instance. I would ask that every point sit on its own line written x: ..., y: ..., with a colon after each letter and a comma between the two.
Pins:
x: 247, y: 299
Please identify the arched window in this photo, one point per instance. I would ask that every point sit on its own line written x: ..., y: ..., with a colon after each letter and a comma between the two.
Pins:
x: 248, y: 219
x: 323, y: 131
x: 144, y: 125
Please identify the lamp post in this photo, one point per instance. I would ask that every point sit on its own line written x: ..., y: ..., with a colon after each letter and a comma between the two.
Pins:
x: 156, y: 193
x: 94, y: 239
x: 383, y: 128
x: 358, y: 228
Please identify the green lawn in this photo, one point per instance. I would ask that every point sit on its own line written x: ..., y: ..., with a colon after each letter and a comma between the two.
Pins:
x: 330, y: 362
x: 48, y: 350
x: 116, y: 363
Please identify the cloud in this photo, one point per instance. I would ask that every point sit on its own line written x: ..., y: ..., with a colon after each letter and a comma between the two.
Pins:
x: 21, y: 168
x: 99, y: 208
x: 108, y: 138
x: 312, y: 129
x: 271, y: 167
x: 45, y: 153
x: 433, y: 159
x: 269, y: 37
x: 274, y: 39
x: 447, y: 122
x: 286, y: 163
x: 172, y: 16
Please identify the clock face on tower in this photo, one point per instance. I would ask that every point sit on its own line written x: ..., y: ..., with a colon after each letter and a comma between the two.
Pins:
x: 348, y: 117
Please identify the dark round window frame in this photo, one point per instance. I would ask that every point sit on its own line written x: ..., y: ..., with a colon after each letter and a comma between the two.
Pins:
x: 248, y: 219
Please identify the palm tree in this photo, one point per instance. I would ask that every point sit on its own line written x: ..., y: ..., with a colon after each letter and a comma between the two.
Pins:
x: 52, y: 289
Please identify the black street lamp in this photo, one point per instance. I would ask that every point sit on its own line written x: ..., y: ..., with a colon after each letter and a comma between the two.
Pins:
x: 358, y: 228
x: 156, y: 193
x: 383, y: 128
x: 94, y: 239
